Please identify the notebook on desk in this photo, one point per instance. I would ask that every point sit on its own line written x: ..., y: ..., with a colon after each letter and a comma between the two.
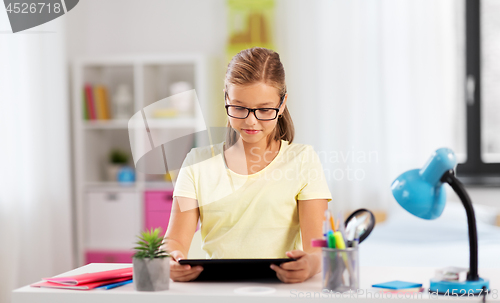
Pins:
x: 235, y: 269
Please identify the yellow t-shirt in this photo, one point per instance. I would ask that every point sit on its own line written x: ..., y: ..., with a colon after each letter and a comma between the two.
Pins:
x: 251, y: 216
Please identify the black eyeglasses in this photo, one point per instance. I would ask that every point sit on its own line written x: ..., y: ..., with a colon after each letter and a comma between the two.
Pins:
x: 264, y: 114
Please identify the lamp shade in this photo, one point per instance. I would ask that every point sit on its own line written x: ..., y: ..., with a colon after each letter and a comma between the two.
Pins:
x: 420, y: 191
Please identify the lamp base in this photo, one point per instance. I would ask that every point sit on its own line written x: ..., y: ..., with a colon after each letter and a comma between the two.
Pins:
x: 459, y: 288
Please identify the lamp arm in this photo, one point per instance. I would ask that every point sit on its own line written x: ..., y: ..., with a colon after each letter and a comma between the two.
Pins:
x: 449, y: 177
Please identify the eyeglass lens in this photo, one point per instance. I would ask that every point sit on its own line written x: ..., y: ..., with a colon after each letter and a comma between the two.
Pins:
x: 241, y: 112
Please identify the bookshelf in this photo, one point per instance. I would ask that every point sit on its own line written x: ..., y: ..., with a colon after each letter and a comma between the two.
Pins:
x: 109, y: 214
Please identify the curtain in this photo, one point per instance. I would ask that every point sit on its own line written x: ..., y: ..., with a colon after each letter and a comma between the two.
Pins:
x: 35, y: 193
x: 375, y: 87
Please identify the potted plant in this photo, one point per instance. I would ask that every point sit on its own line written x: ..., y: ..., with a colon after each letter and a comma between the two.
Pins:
x: 151, y: 263
x: 117, y: 159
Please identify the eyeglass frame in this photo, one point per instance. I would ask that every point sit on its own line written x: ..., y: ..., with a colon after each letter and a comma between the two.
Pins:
x: 249, y: 110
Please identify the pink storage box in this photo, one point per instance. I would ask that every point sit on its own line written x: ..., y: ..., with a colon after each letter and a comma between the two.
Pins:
x: 108, y: 256
x: 157, y: 207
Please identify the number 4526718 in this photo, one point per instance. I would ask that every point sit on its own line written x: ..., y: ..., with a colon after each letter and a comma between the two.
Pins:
x: 33, y: 8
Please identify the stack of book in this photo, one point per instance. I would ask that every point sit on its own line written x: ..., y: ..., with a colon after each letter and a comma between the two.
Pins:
x: 89, y: 281
x: 399, y: 287
x: 96, y: 105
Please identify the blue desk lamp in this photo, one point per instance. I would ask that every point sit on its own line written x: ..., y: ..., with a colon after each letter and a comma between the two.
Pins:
x: 421, y: 192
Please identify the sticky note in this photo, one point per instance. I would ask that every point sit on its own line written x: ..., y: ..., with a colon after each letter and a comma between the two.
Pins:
x: 397, y: 285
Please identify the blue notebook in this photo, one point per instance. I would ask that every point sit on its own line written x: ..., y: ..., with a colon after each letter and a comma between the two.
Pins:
x: 397, y: 285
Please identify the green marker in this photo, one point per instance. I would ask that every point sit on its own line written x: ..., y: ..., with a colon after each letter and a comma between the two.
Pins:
x: 330, y: 239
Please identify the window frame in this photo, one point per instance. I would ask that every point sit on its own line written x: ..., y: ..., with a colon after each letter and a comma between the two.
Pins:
x: 474, y: 171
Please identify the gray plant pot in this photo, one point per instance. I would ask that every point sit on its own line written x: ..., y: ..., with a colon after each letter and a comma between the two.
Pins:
x: 151, y: 274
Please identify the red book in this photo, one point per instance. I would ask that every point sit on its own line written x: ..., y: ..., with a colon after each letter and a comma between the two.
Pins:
x: 93, y: 277
x: 88, y: 286
x: 90, y: 101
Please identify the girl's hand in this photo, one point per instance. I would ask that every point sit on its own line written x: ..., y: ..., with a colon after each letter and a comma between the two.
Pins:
x: 305, y: 266
x: 182, y: 273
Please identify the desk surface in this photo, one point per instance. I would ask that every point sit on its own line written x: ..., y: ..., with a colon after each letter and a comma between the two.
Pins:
x: 205, y: 292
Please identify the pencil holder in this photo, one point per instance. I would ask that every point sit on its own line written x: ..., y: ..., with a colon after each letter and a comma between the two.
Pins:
x: 340, y: 269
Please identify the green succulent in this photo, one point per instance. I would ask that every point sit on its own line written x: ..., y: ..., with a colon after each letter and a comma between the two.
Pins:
x: 149, y: 245
x: 118, y: 156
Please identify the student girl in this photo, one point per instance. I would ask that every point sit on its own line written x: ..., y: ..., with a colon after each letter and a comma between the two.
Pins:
x: 257, y: 194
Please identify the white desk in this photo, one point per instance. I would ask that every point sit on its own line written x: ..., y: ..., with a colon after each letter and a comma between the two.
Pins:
x: 309, y: 291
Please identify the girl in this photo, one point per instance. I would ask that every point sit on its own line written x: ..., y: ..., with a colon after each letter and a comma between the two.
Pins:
x: 257, y: 195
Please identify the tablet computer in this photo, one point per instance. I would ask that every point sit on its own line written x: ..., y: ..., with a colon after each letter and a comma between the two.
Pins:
x: 236, y: 269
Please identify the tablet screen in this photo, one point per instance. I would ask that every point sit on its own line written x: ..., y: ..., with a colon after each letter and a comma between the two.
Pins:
x: 236, y: 269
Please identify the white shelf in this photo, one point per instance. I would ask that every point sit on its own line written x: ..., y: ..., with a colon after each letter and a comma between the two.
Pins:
x: 105, y: 124
x: 152, y: 123
x: 135, y: 186
x: 172, y: 123
x: 111, y: 186
x: 153, y: 185
x: 149, y: 77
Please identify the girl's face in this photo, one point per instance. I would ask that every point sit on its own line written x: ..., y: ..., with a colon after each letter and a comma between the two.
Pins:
x: 258, y: 95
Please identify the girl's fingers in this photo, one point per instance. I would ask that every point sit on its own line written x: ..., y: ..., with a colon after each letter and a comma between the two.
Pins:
x: 289, y: 276
x: 180, y: 268
x: 293, y: 265
x: 190, y: 275
x: 177, y: 255
x: 174, y: 262
x: 185, y: 268
x: 281, y: 271
x: 175, y: 266
x: 189, y: 272
x: 288, y: 280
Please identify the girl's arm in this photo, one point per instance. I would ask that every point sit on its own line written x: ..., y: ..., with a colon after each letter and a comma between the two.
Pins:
x: 311, y: 216
x: 181, y: 228
x: 182, y: 225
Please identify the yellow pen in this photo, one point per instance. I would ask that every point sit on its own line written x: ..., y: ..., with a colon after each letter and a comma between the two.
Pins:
x: 340, y: 244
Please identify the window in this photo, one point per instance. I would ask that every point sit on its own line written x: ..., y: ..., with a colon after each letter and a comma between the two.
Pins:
x: 482, y: 166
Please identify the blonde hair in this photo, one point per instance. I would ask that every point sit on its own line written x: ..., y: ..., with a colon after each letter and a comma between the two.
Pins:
x: 262, y: 65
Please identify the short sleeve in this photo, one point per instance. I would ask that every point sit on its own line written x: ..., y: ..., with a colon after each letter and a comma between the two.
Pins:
x: 185, y: 183
x: 315, y: 185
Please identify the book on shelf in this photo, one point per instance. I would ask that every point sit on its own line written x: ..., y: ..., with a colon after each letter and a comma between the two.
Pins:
x: 85, y: 111
x: 101, y: 102
x: 90, y: 101
x: 96, y: 102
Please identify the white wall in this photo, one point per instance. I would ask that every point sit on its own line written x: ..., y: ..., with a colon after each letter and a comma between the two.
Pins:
x: 127, y: 26
x: 154, y: 26
x: 489, y: 196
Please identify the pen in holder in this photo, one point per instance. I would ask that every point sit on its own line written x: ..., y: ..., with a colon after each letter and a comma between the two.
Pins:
x: 340, y: 269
